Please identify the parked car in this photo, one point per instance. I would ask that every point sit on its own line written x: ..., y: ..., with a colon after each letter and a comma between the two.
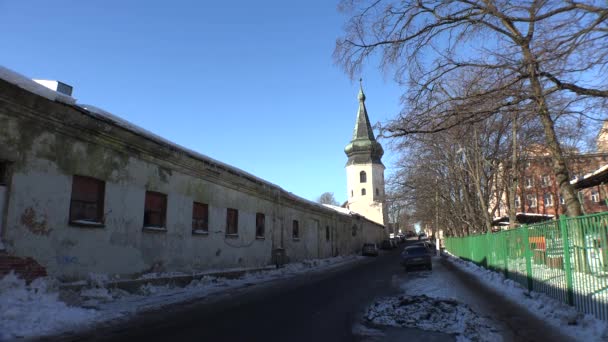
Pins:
x: 393, y: 242
x: 370, y: 249
x: 422, y: 236
x: 416, y: 256
x: 386, y: 244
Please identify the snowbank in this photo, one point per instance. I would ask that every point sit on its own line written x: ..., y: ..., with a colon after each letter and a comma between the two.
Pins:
x: 35, y: 310
x: 567, y: 319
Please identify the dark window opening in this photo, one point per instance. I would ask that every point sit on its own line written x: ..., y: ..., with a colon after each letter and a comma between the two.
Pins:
x: 351, y: 193
x: 200, y: 217
x: 355, y: 230
x: 377, y: 192
x: 362, y: 192
x: 296, y: 229
x: 155, y: 212
x: 362, y: 177
x: 3, y: 173
x: 232, y: 221
x: 86, y: 205
x: 260, y: 225
x: 327, y: 233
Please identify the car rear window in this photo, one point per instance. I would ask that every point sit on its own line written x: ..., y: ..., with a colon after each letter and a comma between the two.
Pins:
x: 416, y: 250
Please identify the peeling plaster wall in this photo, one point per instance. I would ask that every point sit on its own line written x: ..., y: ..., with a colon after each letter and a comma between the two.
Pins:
x: 47, y: 143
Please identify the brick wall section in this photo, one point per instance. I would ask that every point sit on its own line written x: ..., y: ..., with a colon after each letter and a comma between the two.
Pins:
x: 26, y: 268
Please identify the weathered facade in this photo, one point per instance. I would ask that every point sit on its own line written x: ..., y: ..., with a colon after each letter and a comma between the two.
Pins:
x: 84, y: 192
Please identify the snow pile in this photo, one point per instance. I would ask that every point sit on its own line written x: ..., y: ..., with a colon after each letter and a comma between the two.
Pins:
x: 434, y: 314
x: 35, y: 310
x: 564, y: 317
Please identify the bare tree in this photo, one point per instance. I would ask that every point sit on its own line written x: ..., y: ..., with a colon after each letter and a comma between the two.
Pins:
x: 519, y: 53
x: 328, y: 198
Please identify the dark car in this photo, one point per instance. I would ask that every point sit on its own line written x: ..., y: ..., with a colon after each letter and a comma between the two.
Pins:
x: 369, y: 249
x: 427, y: 244
x: 416, y: 256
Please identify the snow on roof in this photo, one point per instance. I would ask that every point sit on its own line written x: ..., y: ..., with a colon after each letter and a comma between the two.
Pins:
x: 345, y: 211
x: 590, y: 174
x: 34, y: 87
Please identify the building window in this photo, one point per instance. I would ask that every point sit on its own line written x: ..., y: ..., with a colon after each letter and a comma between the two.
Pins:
x: 595, y: 196
x: 362, y: 177
x: 561, y: 200
x: 548, y: 200
x: 86, y: 205
x: 363, y: 192
x: 377, y: 192
x: 354, y: 233
x: 326, y: 233
x: 517, y: 202
x: 352, y: 193
x: 529, y: 182
x: 232, y: 221
x: 3, y: 173
x: 200, y: 217
x: 260, y: 225
x: 155, y: 211
x: 546, y: 180
x: 296, y: 230
x: 531, y: 199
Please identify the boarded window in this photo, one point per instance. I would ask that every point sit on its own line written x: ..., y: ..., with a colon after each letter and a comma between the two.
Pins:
x: 260, y: 225
x: 86, y: 205
x: 327, y: 233
x: 362, y: 177
x: 232, y: 221
x: 296, y: 229
x: 200, y: 217
x: 155, y: 211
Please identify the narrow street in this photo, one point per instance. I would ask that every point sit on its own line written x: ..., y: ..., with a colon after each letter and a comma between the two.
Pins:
x: 324, y: 307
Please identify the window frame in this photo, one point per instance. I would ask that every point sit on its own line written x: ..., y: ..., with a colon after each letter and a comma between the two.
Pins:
x: 546, y: 180
x: 234, y: 213
x: 517, y: 201
x: 362, y: 177
x: 205, y: 208
x: 100, y: 194
x: 260, y: 217
x: 595, y: 195
x: 531, y: 201
x: 529, y: 182
x: 548, y: 200
x: 164, y: 200
x: 363, y: 192
x: 295, y: 230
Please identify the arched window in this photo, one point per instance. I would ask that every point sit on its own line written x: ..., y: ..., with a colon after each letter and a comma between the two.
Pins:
x: 362, y: 177
x: 363, y: 192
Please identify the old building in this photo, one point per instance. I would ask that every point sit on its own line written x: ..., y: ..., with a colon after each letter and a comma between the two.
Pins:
x: 83, y: 191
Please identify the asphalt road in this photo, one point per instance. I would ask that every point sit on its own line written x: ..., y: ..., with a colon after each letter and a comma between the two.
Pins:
x: 313, y: 307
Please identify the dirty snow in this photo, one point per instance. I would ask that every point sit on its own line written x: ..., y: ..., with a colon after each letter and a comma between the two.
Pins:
x: 37, y: 310
x: 434, y: 314
x: 566, y: 318
x: 34, y: 87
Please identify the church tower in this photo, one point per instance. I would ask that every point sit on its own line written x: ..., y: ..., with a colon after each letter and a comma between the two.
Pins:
x: 364, y: 169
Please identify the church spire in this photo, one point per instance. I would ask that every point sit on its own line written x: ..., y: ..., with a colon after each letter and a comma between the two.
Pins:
x: 363, y: 148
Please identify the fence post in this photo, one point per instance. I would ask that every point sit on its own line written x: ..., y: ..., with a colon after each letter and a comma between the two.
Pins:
x: 528, y: 255
x: 563, y: 226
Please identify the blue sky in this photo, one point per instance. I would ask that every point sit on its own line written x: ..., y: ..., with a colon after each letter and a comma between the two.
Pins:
x: 252, y: 84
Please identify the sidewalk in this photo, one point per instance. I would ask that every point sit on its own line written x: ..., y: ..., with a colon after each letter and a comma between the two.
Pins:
x: 518, y: 323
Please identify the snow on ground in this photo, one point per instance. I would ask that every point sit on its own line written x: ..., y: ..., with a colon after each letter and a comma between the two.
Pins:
x: 36, y: 310
x: 580, y: 326
x: 428, y: 304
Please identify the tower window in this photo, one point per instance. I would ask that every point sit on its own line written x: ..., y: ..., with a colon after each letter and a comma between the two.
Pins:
x: 363, y: 192
x: 363, y: 177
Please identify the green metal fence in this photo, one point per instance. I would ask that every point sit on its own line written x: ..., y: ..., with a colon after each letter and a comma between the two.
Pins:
x: 566, y: 259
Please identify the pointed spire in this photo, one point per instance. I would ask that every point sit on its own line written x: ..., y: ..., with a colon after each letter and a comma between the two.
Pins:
x: 363, y: 148
x: 363, y: 128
